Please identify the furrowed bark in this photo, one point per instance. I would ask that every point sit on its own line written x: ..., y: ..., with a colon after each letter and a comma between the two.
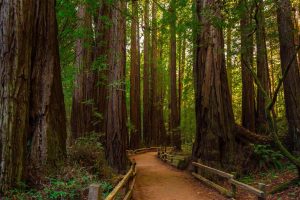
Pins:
x: 116, y: 116
x: 215, y: 139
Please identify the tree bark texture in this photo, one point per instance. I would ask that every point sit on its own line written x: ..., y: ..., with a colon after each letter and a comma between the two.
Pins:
x: 33, y: 126
x: 215, y: 139
x: 248, y: 100
x: 116, y: 117
x: 15, y: 64
x: 135, y: 99
x: 292, y: 81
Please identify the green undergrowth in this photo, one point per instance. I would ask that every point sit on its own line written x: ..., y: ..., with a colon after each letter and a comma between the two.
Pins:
x: 84, y: 165
x: 268, y: 174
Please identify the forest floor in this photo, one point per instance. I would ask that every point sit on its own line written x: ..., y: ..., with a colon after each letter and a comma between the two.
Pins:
x: 157, y: 180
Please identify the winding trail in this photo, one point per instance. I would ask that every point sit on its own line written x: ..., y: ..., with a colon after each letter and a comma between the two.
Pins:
x: 157, y: 180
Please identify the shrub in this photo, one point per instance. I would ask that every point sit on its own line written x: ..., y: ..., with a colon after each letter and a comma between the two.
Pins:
x: 267, y: 158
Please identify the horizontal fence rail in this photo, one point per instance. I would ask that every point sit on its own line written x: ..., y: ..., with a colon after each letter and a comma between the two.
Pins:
x: 259, y: 193
x: 125, y: 183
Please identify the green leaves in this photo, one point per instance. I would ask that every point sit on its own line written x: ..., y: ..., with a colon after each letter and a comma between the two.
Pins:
x: 268, y: 157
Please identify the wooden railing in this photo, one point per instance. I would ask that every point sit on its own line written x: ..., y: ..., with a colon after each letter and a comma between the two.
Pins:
x: 259, y: 193
x: 125, y: 186
x: 142, y: 150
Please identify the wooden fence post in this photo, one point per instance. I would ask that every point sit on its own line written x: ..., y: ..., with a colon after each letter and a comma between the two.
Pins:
x: 262, y: 187
x: 95, y: 192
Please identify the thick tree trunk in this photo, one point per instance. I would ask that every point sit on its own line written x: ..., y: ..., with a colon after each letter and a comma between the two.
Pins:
x: 47, y: 135
x: 292, y: 81
x: 248, y: 102
x: 116, y: 117
x: 31, y: 94
x: 135, y: 100
x: 215, y: 140
x: 174, y: 121
x: 83, y: 102
x: 146, y: 76
x: 15, y: 64
x: 262, y: 69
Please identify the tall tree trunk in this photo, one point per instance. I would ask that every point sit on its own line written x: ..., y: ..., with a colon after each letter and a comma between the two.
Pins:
x: 292, y: 81
x: 215, y: 139
x: 82, y: 104
x: 15, y: 64
x: 174, y: 126
x: 135, y: 101
x: 146, y: 76
x: 181, y: 73
x: 31, y: 94
x: 155, y: 98
x: 47, y: 135
x: 100, y: 80
x: 163, y: 140
x: 262, y: 68
x: 248, y: 103
x: 116, y: 117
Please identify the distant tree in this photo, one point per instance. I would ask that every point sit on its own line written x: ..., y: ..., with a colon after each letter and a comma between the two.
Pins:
x: 262, y: 68
x: 135, y: 98
x: 100, y: 88
x: 155, y: 97
x: 175, y: 119
x: 248, y: 95
x: 83, y: 101
x: 146, y: 77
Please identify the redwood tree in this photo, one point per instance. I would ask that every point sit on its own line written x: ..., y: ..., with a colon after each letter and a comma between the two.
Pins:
x: 215, y: 139
x: 15, y: 64
x: 174, y: 121
x: 135, y: 100
x: 82, y: 104
x: 155, y: 97
x: 33, y: 126
x: 146, y: 77
x: 262, y: 68
x: 100, y: 80
x: 248, y: 101
x: 116, y: 118
x: 291, y: 83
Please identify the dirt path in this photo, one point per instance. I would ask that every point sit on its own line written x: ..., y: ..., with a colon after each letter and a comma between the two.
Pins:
x: 159, y: 181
